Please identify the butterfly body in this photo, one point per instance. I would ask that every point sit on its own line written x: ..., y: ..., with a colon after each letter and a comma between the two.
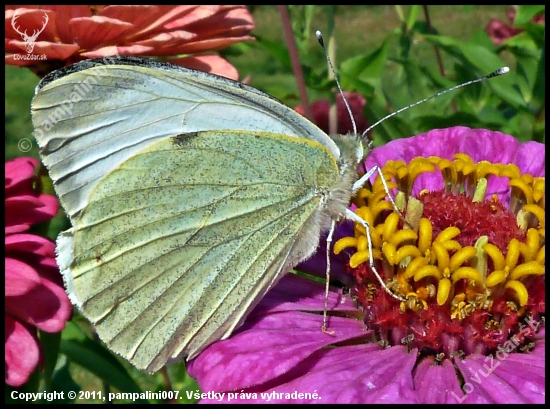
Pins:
x: 185, y: 210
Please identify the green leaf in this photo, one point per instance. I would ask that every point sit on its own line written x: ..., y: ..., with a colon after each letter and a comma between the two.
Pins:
x: 301, y: 17
x: 366, y: 65
x: 400, y: 13
x: 278, y: 50
x: 522, y: 42
x: 330, y: 11
x: 50, y: 349
x: 95, y: 358
x: 390, y: 129
x: 411, y: 85
x: 478, y: 56
x: 354, y: 84
x: 537, y: 101
x: 539, y: 131
x: 506, y: 88
x: 236, y: 50
x: 283, y: 88
x: 522, y: 126
x: 309, y: 11
x: 526, y: 68
x: 485, y: 61
x: 536, y: 32
x: 182, y: 381
x: 428, y: 122
x: 526, y: 13
x: 63, y: 382
x: 414, y: 11
x: 481, y: 38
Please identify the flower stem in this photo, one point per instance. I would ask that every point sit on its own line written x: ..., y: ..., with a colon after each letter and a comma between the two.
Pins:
x: 436, y: 48
x: 295, y: 60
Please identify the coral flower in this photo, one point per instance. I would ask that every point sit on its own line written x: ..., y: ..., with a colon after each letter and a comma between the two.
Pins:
x: 464, y: 261
x: 63, y: 35
x: 34, y: 295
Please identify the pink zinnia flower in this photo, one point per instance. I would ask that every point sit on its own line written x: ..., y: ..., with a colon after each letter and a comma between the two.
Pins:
x: 34, y: 294
x: 469, y: 332
x: 73, y: 33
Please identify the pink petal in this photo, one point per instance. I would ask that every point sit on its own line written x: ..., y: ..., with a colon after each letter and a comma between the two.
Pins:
x: 168, y: 40
x: 158, y: 17
x: 19, y: 171
x: 211, y: 44
x: 507, y: 378
x: 295, y: 293
x: 213, y: 64
x: 30, y: 21
x: 347, y: 374
x: 437, y: 383
x: 267, y: 347
x: 530, y: 158
x: 25, y: 210
x: 17, y: 228
x: 357, y: 374
x: 229, y: 21
x: 30, y: 243
x: 22, y: 352
x: 118, y: 50
x: 20, y: 278
x: 53, y: 51
x: 63, y: 15
x: 136, y: 15
x: 480, y: 144
x: 193, y: 15
x: 36, y: 251
x: 96, y: 30
x: 46, y: 306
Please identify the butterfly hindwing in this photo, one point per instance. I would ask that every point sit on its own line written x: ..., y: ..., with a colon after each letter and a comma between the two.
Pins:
x: 173, y: 249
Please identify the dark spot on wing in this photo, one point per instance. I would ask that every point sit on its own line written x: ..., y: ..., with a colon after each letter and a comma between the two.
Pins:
x: 184, y: 138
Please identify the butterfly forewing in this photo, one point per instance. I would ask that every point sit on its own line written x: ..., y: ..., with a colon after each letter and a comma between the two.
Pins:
x: 180, y: 241
x: 92, y: 116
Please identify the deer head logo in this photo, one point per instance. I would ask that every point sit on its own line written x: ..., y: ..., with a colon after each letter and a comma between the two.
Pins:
x: 29, y: 39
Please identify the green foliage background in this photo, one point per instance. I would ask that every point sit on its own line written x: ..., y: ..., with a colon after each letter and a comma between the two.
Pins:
x: 391, y: 56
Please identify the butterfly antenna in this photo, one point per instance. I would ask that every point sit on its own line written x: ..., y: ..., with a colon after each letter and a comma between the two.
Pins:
x: 358, y: 184
x: 322, y: 43
x: 352, y: 215
x: 494, y: 74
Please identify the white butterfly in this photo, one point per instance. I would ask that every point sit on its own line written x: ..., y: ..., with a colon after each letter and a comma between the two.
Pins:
x: 190, y: 196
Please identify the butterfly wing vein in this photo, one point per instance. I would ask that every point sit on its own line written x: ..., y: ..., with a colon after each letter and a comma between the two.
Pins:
x: 205, y: 238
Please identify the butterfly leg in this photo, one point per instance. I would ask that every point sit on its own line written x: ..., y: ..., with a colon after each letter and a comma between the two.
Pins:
x: 329, y: 242
x: 353, y: 217
x: 360, y: 182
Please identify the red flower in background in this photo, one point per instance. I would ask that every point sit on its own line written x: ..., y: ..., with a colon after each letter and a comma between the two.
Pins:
x: 499, y: 30
x: 73, y: 33
x: 321, y: 107
x: 34, y: 295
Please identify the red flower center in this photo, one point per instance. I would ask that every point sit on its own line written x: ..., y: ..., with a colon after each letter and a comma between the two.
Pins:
x: 469, y: 272
x: 474, y: 219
